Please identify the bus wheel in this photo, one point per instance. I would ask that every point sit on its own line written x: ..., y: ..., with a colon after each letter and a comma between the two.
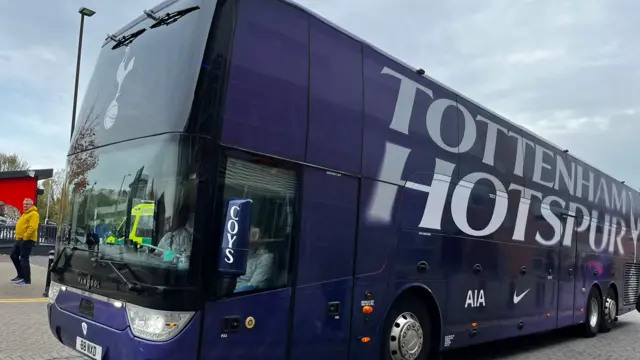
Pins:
x: 593, y: 313
x: 609, y: 311
x: 408, y: 331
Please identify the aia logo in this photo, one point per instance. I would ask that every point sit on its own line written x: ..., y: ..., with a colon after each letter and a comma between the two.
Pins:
x: 475, y: 298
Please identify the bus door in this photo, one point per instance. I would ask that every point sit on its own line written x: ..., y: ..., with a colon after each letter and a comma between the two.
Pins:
x: 566, y: 272
x: 294, y: 300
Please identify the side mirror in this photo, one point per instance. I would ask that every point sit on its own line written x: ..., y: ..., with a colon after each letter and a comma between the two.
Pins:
x: 234, y: 244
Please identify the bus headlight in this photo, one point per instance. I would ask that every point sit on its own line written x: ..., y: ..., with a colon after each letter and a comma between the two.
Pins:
x: 156, y: 325
x: 54, y: 290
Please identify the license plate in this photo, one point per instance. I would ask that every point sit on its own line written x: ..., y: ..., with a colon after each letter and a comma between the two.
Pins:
x: 88, y: 348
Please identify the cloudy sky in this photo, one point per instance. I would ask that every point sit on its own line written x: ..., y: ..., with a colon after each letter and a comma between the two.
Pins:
x: 565, y: 69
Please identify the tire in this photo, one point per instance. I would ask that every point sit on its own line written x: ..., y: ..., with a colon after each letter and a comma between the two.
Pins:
x: 609, y: 311
x: 408, y: 317
x: 593, y: 314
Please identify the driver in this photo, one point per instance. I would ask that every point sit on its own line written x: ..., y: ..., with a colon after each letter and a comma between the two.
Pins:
x: 179, y: 238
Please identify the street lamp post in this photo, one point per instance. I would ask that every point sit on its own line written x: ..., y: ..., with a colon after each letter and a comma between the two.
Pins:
x: 88, y: 13
x: 120, y: 194
x: 46, y: 219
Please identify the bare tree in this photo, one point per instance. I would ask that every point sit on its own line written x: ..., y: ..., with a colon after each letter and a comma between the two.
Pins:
x: 12, y: 162
x: 57, y: 182
x: 83, y: 158
x: 52, y: 196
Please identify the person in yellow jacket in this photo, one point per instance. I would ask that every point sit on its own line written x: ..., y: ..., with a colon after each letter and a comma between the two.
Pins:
x: 26, y: 238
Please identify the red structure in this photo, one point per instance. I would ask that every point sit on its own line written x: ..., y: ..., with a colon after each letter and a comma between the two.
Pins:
x: 15, y: 186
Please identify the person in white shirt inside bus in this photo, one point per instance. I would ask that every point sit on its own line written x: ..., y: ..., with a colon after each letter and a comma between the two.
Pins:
x: 179, y: 238
x: 259, y: 265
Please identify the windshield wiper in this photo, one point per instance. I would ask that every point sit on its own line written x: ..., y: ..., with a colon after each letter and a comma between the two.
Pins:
x: 134, y: 285
x: 125, y: 40
x: 131, y: 285
x: 67, y: 261
x: 169, y: 18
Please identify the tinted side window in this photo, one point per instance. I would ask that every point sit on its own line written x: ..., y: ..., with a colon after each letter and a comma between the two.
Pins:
x: 335, y: 108
x: 274, y: 194
x: 268, y: 87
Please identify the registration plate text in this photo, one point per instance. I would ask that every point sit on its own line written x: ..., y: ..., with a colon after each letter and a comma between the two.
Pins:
x: 88, y: 348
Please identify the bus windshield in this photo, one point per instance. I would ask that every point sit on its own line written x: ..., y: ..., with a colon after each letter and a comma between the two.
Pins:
x: 129, y: 202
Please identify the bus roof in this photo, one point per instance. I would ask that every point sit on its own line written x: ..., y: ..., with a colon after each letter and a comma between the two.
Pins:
x: 414, y: 69
x: 167, y: 3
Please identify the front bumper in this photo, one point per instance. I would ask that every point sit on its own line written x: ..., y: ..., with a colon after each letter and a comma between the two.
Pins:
x: 121, y: 344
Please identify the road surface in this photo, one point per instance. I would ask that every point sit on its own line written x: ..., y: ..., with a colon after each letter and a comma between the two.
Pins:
x: 25, y: 333
x: 622, y: 343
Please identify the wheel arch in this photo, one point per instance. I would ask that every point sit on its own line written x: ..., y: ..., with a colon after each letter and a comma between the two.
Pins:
x: 424, y: 293
x: 598, y: 287
x: 616, y: 290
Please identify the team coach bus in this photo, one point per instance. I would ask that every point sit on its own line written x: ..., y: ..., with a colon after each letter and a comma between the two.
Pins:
x: 314, y: 198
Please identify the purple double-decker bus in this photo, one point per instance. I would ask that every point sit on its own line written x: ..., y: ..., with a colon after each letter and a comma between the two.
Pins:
x: 277, y: 188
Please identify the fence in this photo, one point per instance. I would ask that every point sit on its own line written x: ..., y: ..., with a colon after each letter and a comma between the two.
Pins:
x: 46, y: 235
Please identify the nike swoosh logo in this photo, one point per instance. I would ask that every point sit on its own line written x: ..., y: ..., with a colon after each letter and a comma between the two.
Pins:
x: 517, y: 298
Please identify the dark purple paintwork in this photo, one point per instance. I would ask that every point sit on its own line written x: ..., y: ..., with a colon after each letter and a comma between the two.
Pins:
x: 335, y: 93
x: 302, y: 90
x: 268, y: 80
x: 104, y: 313
x: 267, y: 340
x: 325, y: 265
x: 120, y: 344
x: 386, y: 254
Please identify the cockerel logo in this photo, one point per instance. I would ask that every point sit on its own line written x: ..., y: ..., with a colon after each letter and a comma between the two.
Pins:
x: 123, y: 70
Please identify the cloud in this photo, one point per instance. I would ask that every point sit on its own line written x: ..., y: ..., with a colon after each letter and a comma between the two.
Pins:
x: 531, y: 56
x: 565, y: 69
x: 38, y: 43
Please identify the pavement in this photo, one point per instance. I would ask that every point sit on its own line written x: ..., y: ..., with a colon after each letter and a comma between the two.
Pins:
x: 622, y: 343
x: 25, y: 332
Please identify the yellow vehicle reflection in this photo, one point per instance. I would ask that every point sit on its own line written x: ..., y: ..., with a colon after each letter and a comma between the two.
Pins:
x: 141, y: 226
